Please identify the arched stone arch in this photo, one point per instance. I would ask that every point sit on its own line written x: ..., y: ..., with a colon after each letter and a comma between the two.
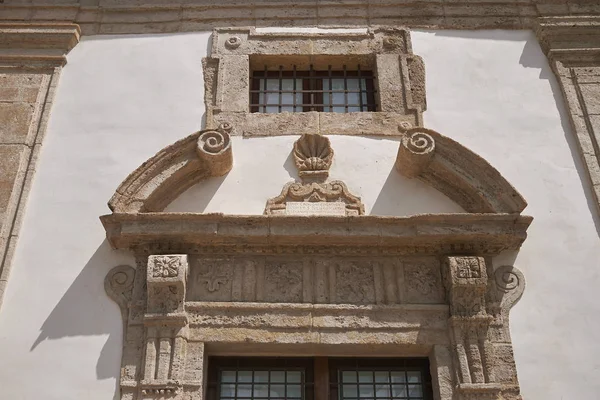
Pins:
x: 174, y: 169
x: 457, y: 172
x: 439, y: 161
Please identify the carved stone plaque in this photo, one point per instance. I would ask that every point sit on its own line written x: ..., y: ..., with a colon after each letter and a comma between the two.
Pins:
x: 315, y: 208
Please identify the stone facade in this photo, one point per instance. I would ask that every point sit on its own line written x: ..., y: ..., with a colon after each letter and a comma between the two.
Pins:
x: 303, y: 278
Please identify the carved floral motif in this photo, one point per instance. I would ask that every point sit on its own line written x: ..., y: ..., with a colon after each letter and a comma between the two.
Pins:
x: 214, y: 278
x: 166, y: 267
x: 468, y: 267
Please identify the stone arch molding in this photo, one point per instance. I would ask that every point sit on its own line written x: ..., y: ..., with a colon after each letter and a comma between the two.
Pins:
x: 439, y: 161
x: 174, y: 169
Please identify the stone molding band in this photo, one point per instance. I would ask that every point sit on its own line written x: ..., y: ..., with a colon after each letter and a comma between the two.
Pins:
x: 161, y: 16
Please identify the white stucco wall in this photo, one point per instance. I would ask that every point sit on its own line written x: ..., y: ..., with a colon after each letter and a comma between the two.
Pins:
x: 121, y: 99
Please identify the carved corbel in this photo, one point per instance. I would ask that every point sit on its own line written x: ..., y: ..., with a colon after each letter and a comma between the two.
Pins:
x: 416, y: 151
x: 118, y: 284
x: 166, y: 325
x: 467, y: 283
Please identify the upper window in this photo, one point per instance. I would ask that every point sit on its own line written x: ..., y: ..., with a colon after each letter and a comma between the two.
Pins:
x: 331, y: 90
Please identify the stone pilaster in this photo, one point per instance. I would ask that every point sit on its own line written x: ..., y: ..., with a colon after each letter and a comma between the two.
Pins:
x: 31, y: 58
x: 572, y: 45
x: 466, y: 284
x: 166, y: 326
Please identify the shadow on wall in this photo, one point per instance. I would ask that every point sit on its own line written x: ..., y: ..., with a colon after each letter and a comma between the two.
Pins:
x: 533, y: 57
x: 397, y: 197
x: 86, y: 310
x: 197, y: 197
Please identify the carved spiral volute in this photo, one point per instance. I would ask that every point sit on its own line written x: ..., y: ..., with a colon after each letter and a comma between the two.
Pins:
x: 416, y: 152
x: 215, y: 141
x: 510, y: 283
x: 419, y: 143
x: 214, y: 148
x: 119, y: 284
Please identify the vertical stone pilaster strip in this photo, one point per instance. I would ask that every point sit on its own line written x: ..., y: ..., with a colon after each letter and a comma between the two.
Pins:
x: 572, y: 45
x: 151, y: 355
x: 38, y: 51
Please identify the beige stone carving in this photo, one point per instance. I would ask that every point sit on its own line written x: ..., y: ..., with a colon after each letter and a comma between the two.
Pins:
x: 457, y: 172
x: 345, y: 284
x: 571, y: 44
x: 385, y: 50
x: 174, y: 169
x: 31, y: 58
x: 313, y: 156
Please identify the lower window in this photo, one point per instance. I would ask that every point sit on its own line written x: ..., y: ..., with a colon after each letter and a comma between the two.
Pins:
x: 319, y: 378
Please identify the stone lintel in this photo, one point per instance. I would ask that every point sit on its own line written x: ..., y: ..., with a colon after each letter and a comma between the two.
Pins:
x: 485, y: 233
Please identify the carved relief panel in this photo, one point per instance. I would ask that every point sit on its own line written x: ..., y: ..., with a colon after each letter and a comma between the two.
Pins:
x: 327, y: 280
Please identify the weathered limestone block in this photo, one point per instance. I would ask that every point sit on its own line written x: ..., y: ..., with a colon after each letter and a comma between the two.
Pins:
x: 166, y: 282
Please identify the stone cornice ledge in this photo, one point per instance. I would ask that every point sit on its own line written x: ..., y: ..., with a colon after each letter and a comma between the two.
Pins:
x: 37, y: 44
x: 162, y: 16
x: 426, y: 233
x: 572, y: 40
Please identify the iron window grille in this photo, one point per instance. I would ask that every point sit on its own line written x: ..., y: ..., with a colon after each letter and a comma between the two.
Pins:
x: 306, y: 378
x: 339, y: 91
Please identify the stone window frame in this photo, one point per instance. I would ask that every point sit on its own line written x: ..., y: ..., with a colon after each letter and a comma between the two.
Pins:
x: 386, y: 51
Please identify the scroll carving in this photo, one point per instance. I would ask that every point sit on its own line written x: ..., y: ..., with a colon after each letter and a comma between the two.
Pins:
x: 119, y: 286
x: 510, y: 283
x: 415, y: 153
x: 214, y: 147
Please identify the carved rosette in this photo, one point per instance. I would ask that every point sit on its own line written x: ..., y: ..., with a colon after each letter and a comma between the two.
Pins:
x: 214, y: 147
x: 416, y: 151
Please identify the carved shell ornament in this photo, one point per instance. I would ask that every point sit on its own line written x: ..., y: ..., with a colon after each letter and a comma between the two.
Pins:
x: 313, y: 156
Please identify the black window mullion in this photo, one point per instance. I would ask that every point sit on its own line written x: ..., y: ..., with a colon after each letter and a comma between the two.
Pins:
x: 265, y: 89
x: 280, y: 86
x: 330, y: 89
x: 345, y: 89
x: 360, y: 91
x: 294, y: 93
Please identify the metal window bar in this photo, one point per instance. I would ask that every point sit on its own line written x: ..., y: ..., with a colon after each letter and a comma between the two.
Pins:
x: 312, y: 90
